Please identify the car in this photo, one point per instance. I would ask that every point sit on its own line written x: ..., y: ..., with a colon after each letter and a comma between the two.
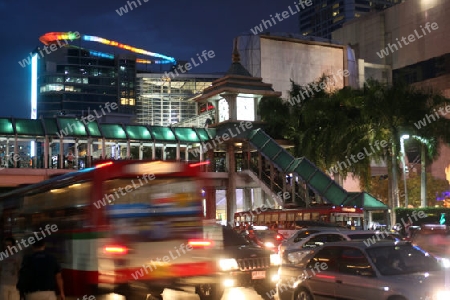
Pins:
x: 435, y: 240
x: 243, y: 264
x: 262, y: 237
x: 303, y: 233
x: 314, y: 237
x: 386, y: 270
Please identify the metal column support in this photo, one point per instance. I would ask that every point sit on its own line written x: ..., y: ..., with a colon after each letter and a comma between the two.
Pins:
x: 89, y: 151
x: 141, y: 152
x: 76, y: 163
x: 16, y: 157
x: 61, y: 154
x: 8, y: 159
x: 128, y: 149
x: 178, y: 152
x: 201, y: 152
x: 154, y: 151
x: 103, y: 148
x: 50, y: 154
x: 163, y: 150
x: 231, y: 186
x: 46, y: 151
x: 293, y: 191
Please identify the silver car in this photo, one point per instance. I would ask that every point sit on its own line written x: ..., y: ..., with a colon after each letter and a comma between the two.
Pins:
x: 358, y: 271
x: 315, y: 237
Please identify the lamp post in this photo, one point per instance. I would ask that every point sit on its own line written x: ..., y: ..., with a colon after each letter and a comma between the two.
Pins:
x: 423, y: 177
x: 402, y: 149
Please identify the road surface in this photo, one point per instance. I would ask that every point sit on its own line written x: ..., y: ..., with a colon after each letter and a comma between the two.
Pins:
x: 230, y: 294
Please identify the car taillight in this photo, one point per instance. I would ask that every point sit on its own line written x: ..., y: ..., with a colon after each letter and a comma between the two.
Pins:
x: 279, y: 237
x: 199, y: 243
x: 115, y: 249
x: 103, y: 164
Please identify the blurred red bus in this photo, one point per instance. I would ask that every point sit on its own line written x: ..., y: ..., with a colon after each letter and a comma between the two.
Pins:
x: 288, y: 221
x: 128, y: 227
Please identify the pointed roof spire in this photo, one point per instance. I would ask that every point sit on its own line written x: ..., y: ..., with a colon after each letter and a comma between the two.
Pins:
x: 236, y: 57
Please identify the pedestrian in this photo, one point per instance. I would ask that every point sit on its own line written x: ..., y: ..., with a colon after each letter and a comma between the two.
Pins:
x: 9, y: 271
x: 40, y: 275
x: 70, y: 160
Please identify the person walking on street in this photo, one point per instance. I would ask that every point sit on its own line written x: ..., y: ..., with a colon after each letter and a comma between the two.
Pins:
x: 9, y: 271
x: 45, y: 275
x: 70, y: 160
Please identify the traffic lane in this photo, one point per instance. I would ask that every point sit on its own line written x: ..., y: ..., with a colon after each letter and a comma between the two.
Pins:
x: 237, y: 293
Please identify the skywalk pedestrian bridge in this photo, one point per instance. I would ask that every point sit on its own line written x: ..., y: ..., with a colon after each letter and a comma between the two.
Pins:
x: 246, y: 158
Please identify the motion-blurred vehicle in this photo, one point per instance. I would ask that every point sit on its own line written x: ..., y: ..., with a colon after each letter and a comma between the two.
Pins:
x: 435, y: 240
x: 127, y: 227
x: 264, y: 238
x: 243, y: 264
x: 354, y: 270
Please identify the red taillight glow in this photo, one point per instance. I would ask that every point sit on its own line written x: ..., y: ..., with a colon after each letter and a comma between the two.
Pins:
x: 104, y: 164
x: 279, y: 237
x: 199, y: 164
x: 116, y: 249
x: 200, y: 243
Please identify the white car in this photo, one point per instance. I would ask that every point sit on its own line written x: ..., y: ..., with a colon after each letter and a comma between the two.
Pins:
x: 355, y: 270
x: 315, y: 237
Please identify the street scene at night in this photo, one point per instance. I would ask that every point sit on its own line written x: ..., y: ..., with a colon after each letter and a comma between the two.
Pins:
x: 254, y: 150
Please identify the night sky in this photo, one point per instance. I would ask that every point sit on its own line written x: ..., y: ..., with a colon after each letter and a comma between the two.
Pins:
x: 175, y: 28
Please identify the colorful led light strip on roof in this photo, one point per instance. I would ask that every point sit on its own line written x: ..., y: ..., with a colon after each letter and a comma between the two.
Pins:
x: 165, y: 59
x: 143, y: 61
x: 52, y: 37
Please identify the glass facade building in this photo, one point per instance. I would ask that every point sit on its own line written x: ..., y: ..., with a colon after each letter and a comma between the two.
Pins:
x: 74, y: 81
x: 325, y: 16
x: 163, y: 100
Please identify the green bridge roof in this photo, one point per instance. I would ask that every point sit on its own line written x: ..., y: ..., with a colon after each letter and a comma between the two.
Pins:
x: 73, y: 127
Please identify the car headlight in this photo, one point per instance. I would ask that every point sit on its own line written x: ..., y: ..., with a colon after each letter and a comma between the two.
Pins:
x: 445, y: 262
x: 442, y: 295
x: 269, y: 245
x: 228, y: 264
x: 275, y: 260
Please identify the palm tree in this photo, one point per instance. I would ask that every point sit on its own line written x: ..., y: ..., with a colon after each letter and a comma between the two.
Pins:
x: 329, y: 128
x: 395, y: 111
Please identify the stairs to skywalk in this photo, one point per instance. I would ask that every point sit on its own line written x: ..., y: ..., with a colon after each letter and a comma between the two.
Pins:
x: 314, y: 178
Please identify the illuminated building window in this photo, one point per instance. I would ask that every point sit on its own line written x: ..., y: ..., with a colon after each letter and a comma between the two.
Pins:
x: 335, y: 13
x: 127, y: 101
x: 51, y: 87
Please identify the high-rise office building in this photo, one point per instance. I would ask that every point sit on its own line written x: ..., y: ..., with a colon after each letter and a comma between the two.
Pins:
x: 163, y: 100
x: 325, y: 16
x: 74, y: 80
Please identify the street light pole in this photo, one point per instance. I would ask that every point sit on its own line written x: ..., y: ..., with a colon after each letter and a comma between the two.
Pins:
x: 402, y: 149
x: 423, y: 177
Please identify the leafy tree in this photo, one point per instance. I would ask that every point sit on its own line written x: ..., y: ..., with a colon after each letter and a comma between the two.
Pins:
x: 275, y: 113
x: 436, y: 187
